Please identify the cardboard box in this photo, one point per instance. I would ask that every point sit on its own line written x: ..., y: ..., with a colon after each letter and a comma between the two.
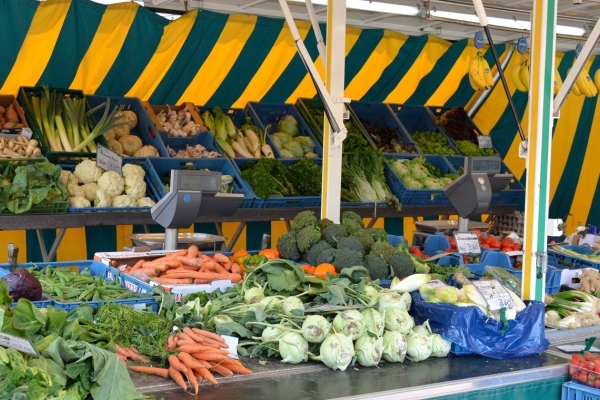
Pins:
x: 154, y: 110
x: 5, y: 101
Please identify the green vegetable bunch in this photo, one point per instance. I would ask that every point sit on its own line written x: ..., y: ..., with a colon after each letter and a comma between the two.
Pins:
x: 433, y: 143
x: 470, y: 149
x: 417, y: 173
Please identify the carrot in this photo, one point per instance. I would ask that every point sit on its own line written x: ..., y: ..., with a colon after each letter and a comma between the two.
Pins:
x: 171, y: 343
x: 182, y: 269
x: 208, y: 334
x: 177, y: 377
x: 171, y: 256
x: 138, y: 357
x: 236, y: 269
x: 201, y: 281
x: 212, y: 350
x: 162, y: 372
x: 204, y: 257
x: 237, y: 368
x: 149, y: 271
x: 205, y: 373
x: 121, y: 351
x: 138, y: 264
x: 219, y: 257
x: 209, y: 265
x: 227, y: 265
x: 221, y: 369
x: 175, y: 342
x: 192, y: 262
x: 122, y: 358
x: 136, y: 351
x: 185, y: 342
x: 176, y: 364
x: 189, y: 361
x: 196, y: 348
x: 187, y: 330
x: 219, y: 269
x: 192, y: 379
x: 189, y: 268
x: 172, y: 281
x: 210, y: 357
x: 192, y: 251
x: 205, y: 275
x: 168, y: 263
x: 185, y: 336
x: 205, y: 363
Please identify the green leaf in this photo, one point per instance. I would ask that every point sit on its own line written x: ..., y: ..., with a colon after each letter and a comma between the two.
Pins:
x: 59, y: 378
x: 283, y: 275
x: 228, y: 328
x: 55, y: 320
x: 338, y: 296
x: 60, y: 352
x: 5, y: 299
x: 45, y: 342
x: 27, y: 318
x: 355, y: 274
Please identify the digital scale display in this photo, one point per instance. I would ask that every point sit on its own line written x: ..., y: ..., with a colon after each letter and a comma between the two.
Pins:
x: 198, y: 181
x: 482, y: 165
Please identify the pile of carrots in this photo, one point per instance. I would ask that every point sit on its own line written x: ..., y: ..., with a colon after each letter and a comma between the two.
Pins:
x: 197, y: 355
x: 188, y: 267
x: 130, y: 353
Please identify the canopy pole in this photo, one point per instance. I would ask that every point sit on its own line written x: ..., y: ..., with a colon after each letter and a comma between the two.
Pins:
x: 542, y: 63
x: 317, y: 30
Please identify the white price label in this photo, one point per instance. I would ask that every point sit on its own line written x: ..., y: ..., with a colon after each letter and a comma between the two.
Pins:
x: 467, y: 242
x: 436, y: 283
x: 485, y: 142
x: 108, y: 159
x: 17, y: 343
x: 494, y: 294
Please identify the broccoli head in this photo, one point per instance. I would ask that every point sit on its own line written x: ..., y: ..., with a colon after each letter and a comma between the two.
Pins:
x: 346, y: 258
x: 402, y: 264
x: 383, y: 250
x: 315, y: 250
x: 307, y: 236
x: 326, y: 256
x: 351, y: 226
x: 333, y: 233
x: 378, y: 269
x: 351, y: 215
x: 378, y: 234
x: 303, y: 219
x: 288, y: 247
x: 324, y: 223
x: 352, y: 243
x: 365, y: 238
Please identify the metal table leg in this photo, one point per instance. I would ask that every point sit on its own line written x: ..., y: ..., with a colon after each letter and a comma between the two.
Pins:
x: 47, y: 257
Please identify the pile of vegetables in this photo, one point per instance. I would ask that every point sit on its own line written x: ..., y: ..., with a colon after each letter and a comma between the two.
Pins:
x: 9, y: 118
x: 89, y: 184
x: 63, y: 120
x: 417, y: 173
x: 270, y: 177
x: 433, y: 143
x: 289, y: 142
x: 583, y: 369
x: 571, y: 309
x: 25, y: 186
x: 197, y: 151
x: 363, y: 177
x: 386, y: 139
x: 247, y: 141
x: 345, y: 245
x: 355, y: 138
x: 179, y: 123
x: 21, y: 147
x: 470, y: 149
x: 455, y: 124
x: 122, y: 140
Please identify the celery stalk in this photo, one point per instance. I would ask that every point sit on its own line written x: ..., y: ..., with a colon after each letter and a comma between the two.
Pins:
x: 60, y: 126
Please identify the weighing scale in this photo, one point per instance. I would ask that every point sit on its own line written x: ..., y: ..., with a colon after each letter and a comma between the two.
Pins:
x: 471, y: 193
x: 192, y: 193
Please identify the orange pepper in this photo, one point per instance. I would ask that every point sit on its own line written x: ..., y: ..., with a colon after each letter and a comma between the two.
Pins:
x: 322, y: 269
x: 309, y: 269
x: 237, y: 254
x: 269, y: 253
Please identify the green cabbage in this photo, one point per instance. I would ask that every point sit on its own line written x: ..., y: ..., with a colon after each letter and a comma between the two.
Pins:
x: 286, y: 153
x: 282, y: 137
x: 411, y: 183
x: 295, y: 148
x: 289, y: 125
x: 306, y: 142
x: 276, y: 141
x: 311, y: 155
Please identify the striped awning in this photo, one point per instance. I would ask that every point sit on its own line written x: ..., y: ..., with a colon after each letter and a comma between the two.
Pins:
x: 217, y: 59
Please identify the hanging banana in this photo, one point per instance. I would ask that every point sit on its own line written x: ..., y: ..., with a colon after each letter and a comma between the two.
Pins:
x: 557, y: 81
x: 487, y: 72
x: 515, y: 76
x: 597, y: 79
x: 524, y: 74
x: 476, y: 74
x: 589, y: 82
x: 575, y: 88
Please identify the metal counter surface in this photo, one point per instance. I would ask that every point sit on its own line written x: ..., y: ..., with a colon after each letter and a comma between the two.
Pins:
x: 433, y: 377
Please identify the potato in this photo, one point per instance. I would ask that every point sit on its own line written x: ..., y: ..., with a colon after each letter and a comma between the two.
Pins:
x: 130, y: 144
x: 115, y: 146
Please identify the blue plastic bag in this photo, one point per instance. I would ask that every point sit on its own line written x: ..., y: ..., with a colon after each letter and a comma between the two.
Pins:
x: 469, y: 328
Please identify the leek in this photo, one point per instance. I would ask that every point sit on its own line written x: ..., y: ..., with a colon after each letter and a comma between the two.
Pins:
x: 108, y: 121
x: 60, y: 126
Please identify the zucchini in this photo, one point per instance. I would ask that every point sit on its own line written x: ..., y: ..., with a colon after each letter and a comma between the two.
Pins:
x: 504, y: 277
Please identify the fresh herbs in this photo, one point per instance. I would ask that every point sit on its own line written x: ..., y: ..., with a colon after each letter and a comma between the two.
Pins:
x: 433, y: 143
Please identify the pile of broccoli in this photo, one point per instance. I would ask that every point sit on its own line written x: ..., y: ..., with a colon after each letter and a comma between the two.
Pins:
x: 346, y: 245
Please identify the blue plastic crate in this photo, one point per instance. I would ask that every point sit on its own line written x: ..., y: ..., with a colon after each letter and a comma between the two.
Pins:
x: 585, y: 250
x: 70, y: 167
x: 553, y: 280
x: 435, y: 244
x: 281, y: 202
x: 379, y: 115
x: 576, y: 391
x: 238, y: 117
x: 419, y: 196
x: 397, y: 240
x: 459, y: 350
x: 144, y: 129
x: 264, y: 114
x: 511, y: 195
x: 496, y: 259
x: 418, y: 119
x: 451, y: 259
x: 205, y: 139
x: 561, y: 260
x: 159, y: 168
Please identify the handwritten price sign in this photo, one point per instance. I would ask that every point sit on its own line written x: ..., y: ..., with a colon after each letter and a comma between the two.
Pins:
x: 467, y: 242
x: 494, y: 294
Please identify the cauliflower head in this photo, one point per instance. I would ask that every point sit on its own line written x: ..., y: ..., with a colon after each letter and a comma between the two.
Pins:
x: 135, y: 186
x: 145, y: 202
x: 132, y: 169
x: 75, y: 190
x: 79, y: 202
x: 102, y: 199
x: 89, y: 190
x: 87, y: 171
x: 67, y: 177
x: 124, y: 201
x: 112, y: 183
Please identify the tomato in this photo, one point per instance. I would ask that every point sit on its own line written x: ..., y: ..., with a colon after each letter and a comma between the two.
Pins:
x: 490, y: 239
x: 452, y: 243
x: 237, y: 254
x: 479, y: 234
x: 484, y: 245
x: 309, y: 269
x: 494, y: 245
x: 270, y: 253
x: 505, y: 248
x: 507, y: 240
x: 589, y: 356
x: 414, y: 250
x: 322, y: 269
x: 448, y: 250
x: 517, y: 246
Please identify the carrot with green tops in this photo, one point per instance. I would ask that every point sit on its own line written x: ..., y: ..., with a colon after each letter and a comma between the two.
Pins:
x: 191, y: 377
x: 205, y: 373
x: 210, y: 356
x: 221, y: 369
x: 121, y: 351
x: 171, y: 342
x: 208, y: 334
x: 236, y: 368
x: 162, y: 372
x: 122, y: 358
x: 199, y: 348
x: 188, y: 331
x: 185, y: 336
x: 175, y: 363
x: 177, y: 377
x: 189, y: 361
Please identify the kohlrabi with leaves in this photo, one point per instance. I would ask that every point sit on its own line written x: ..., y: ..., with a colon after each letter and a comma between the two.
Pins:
x: 293, y: 348
x: 292, y: 306
x: 398, y: 320
x: 374, y: 321
x: 389, y: 300
x: 440, y: 347
x: 350, y: 323
x: 368, y: 350
x: 254, y: 295
x: 315, y: 328
x: 394, y: 346
x: 373, y: 294
x: 418, y: 346
x: 336, y: 351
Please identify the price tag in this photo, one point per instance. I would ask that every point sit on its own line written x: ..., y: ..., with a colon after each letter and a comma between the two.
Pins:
x: 494, y: 294
x: 576, y: 348
x: 26, y: 132
x: 17, y: 343
x: 232, y: 342
x: 478, y: 39
x: 436, y: 283
x: 108, y: 159
x: 578, y: 49
x: 485, y: 142
x: 467, y: 242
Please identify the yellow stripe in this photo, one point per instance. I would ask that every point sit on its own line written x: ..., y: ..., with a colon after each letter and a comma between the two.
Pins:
x: 383, y: 55
x: 72, y: 246
x: 105, y: 47
x: 431, y: 53
x: 174, y: 36
x: 38, y: 45
x: 224, y: 54
x: 228, y: 231
x: 281, y: 54
x: 306, y: 88
x: 17, y: 238
x: 589, y: 174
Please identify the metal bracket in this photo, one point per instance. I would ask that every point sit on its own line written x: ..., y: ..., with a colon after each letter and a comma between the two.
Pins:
x: 523, y: 149
x: 541, y: 264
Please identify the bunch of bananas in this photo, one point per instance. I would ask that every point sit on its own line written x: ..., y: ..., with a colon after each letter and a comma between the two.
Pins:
x: 480, y: 75
x: 520, y: 75
x: 584, y: 85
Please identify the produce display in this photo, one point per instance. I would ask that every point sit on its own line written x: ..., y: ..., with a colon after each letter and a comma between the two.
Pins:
x: 196, y: 151
x: 89, y: 184
x: 385, y: 138
x: 433, y: 143
x: 247, y: 141
x: 121, y: 140
x: 21, y: 147
x: 27, y: 186
x: 289, y: 142
x: 363, y: 178
x: 418, y: 173
x: 9, y: 118
x: 454, y: 122
x: 178, y: 123
x: 583, y: 369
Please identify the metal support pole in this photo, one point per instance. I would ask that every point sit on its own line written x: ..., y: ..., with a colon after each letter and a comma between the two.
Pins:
x: 317, y: 30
